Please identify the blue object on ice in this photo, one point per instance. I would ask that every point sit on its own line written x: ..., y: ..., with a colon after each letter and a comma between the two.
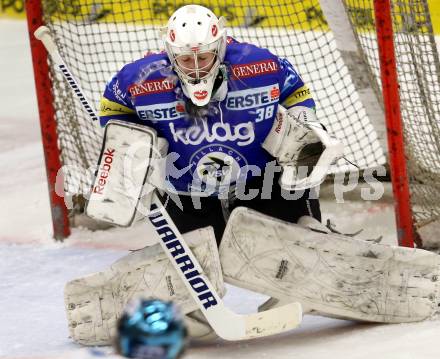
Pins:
x: 151, y: 329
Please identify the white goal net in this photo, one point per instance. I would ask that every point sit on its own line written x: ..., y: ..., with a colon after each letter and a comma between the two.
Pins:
x: 332, y: 43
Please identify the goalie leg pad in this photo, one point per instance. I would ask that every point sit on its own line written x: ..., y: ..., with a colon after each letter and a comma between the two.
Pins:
x: 95, y: 302
x: 329, y: 274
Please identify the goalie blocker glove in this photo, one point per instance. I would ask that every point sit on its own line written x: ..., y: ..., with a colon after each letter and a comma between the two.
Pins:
x: 302, y: 147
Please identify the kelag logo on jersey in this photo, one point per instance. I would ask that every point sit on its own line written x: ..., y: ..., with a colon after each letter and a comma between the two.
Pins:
x: 243, y: 133
x: 161, y: 111
x: 251, y: 98
x: 216, y: 167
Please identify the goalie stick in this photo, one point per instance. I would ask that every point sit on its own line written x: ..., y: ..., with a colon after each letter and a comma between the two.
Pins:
x: 43, y: 34
x: 226, y: 323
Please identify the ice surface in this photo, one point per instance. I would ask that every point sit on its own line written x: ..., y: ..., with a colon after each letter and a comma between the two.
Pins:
x: 34, y: 269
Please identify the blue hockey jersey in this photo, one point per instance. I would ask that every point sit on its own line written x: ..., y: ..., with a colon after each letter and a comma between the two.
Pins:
x: 223, y: 145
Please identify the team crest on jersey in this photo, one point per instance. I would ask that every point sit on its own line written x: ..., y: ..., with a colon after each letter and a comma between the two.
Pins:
x: 216, y: 167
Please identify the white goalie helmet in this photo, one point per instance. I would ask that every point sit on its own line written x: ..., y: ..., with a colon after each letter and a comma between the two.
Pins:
x: 195, y: 42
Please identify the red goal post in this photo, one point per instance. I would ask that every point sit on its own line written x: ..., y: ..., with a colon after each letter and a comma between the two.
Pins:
x: 393, y: 118
x: 333, y: 44
x: 48, y: 124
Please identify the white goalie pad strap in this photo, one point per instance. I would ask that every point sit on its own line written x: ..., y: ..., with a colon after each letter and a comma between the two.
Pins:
x: 302, y: 147
x: 124, y: 165
x: 329, y: 274
x: 95, y: 302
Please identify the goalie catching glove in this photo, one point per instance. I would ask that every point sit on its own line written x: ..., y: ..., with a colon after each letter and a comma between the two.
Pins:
x: 302, y: 147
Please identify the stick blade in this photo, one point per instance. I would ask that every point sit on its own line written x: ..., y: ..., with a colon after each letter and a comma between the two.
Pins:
x: 274, y: 321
